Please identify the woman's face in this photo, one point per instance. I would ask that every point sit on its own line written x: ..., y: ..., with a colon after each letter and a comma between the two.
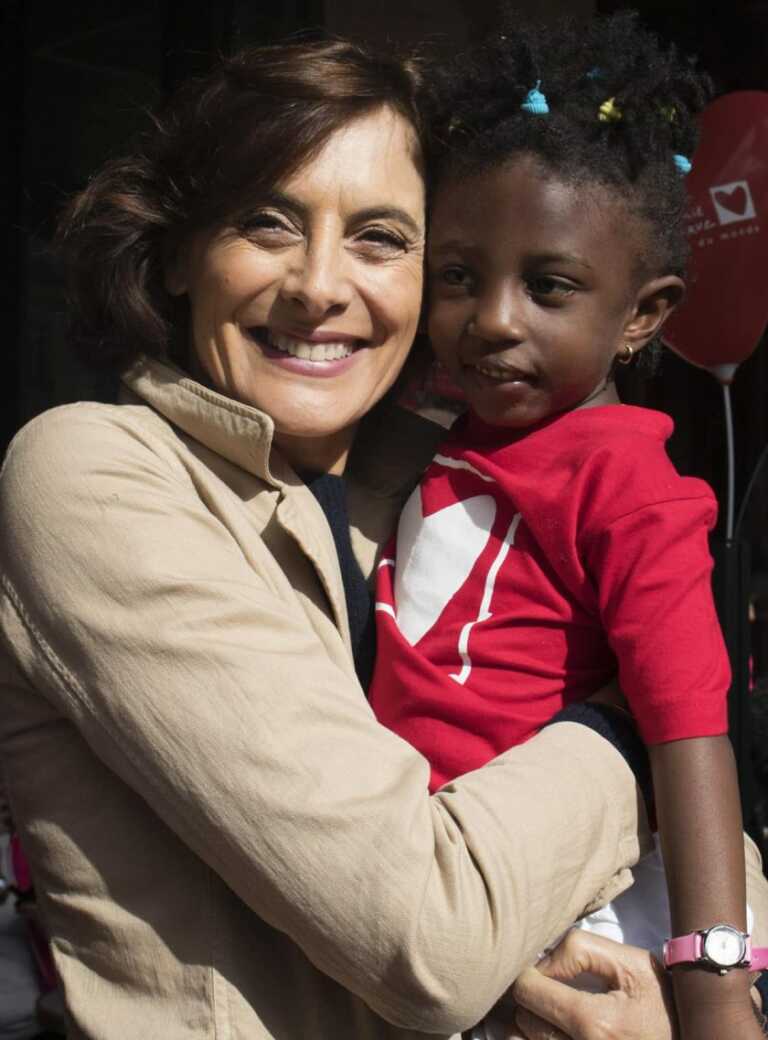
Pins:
x: 308, y: 307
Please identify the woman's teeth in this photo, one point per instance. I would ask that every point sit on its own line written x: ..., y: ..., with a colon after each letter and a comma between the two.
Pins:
x: 299, y: 348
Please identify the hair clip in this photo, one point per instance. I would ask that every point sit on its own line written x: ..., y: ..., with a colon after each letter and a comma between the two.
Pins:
x: 609, y: 113
x: 683, y: 165
x: 535, y: 102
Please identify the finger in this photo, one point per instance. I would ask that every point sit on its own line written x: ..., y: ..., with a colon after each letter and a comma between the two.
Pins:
x: 553, y: 1001
x: 534, y: 1028
x: 581, y: 952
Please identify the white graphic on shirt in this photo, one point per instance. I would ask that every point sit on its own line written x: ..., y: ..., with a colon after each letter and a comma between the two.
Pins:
x: 449, y: 463
x: 435, y: 555
x: 484, y: 613
x: 386, y: 608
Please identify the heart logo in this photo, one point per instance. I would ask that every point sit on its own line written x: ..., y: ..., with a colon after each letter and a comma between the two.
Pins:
x: 725, y: 311
x: 427, y: 576
x: 735, y: 200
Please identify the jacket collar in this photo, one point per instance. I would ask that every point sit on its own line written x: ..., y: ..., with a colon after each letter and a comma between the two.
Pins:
x: 239, y: 433
x: 391, y: 450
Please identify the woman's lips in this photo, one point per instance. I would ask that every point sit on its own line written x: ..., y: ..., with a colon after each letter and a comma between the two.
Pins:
x: 321, y: 354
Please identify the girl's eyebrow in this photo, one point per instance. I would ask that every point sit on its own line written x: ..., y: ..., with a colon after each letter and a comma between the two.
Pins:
x: 282, y: 201
x: 569, y: 258
x: 463, y: 245
x: 450, y: 245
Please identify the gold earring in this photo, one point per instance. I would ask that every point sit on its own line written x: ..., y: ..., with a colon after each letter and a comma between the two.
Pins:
x: 626, y: 354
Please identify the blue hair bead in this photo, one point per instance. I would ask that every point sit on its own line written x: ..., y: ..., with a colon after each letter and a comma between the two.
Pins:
x: 683, y: 164
x: 595, y: 73
x: 535, y: 102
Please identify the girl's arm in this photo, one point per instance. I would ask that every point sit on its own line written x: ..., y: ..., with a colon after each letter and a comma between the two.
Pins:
x: 699, y: 815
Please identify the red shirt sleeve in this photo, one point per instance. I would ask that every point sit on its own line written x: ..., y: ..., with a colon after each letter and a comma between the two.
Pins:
x: 653, y: 572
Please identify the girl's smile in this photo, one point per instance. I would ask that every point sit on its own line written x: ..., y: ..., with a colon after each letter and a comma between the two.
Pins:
x: 534, y: 289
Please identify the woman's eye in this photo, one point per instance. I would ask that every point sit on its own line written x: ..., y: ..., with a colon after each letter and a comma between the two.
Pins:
x: 265, y: 224
x: 547, y: 285
x: 378, y: 241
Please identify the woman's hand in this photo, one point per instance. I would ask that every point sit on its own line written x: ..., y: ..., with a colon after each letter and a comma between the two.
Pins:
x: 637, y: 1004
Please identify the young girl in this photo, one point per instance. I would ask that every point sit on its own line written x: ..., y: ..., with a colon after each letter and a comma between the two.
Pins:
x: 551, y: 542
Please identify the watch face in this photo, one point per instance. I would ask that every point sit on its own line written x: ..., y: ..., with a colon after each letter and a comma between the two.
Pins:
x: 724, y: 946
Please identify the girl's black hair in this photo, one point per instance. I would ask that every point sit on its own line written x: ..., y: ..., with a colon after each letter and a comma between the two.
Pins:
x: 473, y: 108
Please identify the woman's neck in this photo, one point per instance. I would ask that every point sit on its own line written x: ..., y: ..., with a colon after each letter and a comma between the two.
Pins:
x: 325, y: 454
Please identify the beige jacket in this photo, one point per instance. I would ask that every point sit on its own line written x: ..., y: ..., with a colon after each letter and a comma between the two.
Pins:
x: 226, y: 842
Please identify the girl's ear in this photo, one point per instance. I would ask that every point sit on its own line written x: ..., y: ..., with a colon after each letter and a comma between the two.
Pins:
x: 655, y: 301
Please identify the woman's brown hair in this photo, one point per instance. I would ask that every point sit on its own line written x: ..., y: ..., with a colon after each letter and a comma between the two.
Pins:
x: 221, y: 141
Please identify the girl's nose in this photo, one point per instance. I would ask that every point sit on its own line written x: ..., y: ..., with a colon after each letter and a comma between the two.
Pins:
x: 317, y: 280
x: 499, y: 316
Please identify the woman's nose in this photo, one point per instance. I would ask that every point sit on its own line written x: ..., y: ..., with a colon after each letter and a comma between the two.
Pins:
x: 499, y: 316
x: 317, y: 280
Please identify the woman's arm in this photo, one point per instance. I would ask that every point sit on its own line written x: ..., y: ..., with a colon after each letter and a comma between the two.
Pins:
x: 196, y: 678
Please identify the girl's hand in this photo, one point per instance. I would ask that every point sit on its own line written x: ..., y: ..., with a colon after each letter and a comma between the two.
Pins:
x: 637, y: 1004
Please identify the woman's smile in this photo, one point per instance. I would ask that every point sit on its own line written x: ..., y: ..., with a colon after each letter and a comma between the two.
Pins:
x: 318, y: 354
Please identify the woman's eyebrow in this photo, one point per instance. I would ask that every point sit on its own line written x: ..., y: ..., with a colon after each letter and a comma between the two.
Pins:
x: 280, y: 200
x: 389, y: 213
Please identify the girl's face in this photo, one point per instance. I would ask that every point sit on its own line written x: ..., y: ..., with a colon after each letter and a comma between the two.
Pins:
x: 533, y: 290
x: 308, y: 308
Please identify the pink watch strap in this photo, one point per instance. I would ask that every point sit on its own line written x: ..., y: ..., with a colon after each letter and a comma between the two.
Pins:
x: 687, y: 948
x: 682, y: 950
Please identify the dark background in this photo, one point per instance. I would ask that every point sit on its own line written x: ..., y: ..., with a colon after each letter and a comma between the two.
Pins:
x: 77, y: 80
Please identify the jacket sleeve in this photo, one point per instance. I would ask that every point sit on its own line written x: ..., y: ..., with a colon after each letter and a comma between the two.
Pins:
x: 132, y: 608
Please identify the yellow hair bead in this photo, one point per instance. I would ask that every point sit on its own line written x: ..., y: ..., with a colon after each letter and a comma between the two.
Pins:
x: 609, y: 113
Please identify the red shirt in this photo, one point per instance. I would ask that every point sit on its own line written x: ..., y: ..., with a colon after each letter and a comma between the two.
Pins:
x: 529, y: 568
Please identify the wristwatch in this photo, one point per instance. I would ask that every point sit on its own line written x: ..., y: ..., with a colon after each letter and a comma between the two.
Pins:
x: 720, y: 948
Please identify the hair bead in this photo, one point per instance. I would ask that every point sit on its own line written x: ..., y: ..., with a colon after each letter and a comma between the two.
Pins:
x: 535, y: 102
x: 683, y: 164
x: 609, y: 112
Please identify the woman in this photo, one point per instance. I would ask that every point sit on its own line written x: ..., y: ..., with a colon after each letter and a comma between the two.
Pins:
x: 231, y: 845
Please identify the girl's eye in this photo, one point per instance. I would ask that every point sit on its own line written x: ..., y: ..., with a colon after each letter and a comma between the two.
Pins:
x: 548, y: 285
x: 455, y: 276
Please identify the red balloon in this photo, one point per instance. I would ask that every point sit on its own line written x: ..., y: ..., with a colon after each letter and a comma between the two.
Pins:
x: 725, y: 311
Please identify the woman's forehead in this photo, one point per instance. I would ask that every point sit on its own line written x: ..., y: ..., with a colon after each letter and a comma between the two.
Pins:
x: 373, y: 161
